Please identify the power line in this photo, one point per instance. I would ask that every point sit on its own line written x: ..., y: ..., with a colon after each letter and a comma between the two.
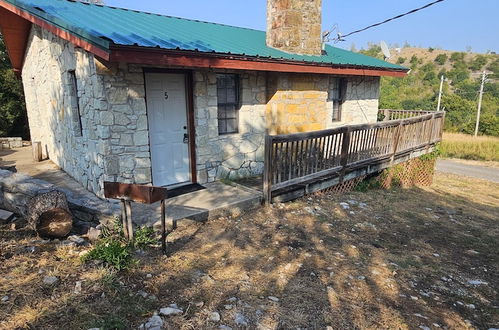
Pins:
x: 341, y: 37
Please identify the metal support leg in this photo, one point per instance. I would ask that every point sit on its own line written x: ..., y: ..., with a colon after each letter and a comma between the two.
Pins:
x: 124, y: 221
x: 163, y: 226
x: 129, y: 220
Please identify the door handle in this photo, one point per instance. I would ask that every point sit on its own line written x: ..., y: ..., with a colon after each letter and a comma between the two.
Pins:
x: 186, y: 138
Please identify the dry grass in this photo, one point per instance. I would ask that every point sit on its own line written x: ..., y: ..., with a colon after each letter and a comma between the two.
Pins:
x: 463, y: 146
x: 401, y: 260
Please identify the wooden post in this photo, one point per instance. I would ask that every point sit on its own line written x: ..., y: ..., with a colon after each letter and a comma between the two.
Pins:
x: 124, y: 221
x: 386, y: 113
x: 430, y: 137
x: 37, y: 151
x: 396, y: 139
x: 345, y: 144
x: 267, y: 171
x: 128, y: 208
x: 163, y: 226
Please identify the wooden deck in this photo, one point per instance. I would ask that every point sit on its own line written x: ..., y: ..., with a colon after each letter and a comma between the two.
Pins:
x: 301, y: 163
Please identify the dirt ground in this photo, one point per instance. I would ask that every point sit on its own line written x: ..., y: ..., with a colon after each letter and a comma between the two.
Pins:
x: 394, y: 259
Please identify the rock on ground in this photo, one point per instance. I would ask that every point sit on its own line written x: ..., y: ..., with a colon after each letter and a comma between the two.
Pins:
x: 77, y: 287
x: 50, y: 280
x: 154, y: 323
x: 214, y: 317
x: 240, y: 319
x: 172, y: 310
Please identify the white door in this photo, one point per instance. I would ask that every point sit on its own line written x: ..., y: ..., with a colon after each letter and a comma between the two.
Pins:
x: 167, y: 117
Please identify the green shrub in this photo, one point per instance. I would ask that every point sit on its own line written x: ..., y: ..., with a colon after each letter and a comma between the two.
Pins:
x: 494, y: 67
x: 368, y: 184
x: 478, y: 63
x: 112, y: 323
x: 441, y: 59
x: 414, y: 60
x: 111, y: 251
x: 401, y: 60
x: 457, y: 57
x: 459, y: 72
x: 144, y: 236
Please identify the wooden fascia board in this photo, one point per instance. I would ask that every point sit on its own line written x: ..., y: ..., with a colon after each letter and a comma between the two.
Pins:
x: 15, y: 31
x: 57, y: 31
x: 185, y: 60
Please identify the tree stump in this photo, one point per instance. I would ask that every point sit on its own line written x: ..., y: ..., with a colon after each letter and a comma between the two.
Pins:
x: 48, y: 214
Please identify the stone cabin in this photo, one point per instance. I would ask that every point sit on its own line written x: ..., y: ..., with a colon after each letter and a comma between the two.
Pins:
x: 121, y: 95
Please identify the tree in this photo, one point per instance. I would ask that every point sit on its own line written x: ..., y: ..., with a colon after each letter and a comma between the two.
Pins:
x: 478, y: 63
x: 13, y: 119
x: 372, y: 50
x: 459, y: 73
x: 457, y: 57
x: 441, y: 59
x: 460, y: 113
x: 415, y: 61
x: 401, y: 60
x: 494, y: 67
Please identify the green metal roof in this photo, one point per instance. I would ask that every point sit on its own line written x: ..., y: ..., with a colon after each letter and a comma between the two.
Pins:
x: 103, y: 25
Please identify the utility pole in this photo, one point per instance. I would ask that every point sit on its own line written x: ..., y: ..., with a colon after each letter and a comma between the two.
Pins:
x: 440, y: 92
x: 479, y: 104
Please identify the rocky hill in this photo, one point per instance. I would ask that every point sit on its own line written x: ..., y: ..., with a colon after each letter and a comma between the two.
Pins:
x: 462, y: 72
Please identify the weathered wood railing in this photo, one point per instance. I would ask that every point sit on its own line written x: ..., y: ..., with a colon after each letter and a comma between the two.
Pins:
x: 299, y: 159
x: 390, y: 114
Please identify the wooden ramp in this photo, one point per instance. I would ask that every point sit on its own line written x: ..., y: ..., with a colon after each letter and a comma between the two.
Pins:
x: 301, y: 163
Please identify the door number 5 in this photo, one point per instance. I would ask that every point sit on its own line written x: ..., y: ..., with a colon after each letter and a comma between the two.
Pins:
x: 166, y: 95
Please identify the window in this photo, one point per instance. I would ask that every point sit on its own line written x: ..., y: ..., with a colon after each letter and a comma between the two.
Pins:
x: 337, y: 96
x: 228, y: 103
x: 75, y: 103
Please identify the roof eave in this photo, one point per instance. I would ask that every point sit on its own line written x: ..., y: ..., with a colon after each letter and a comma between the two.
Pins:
x: 76, y: 39
x: 196, y: 59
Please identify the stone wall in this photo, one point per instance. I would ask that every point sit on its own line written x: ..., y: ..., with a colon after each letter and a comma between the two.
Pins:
x: 294, y: 26
x: 230, y: 155
x: 361, y: 102
x: 113, y: 141
x: 297, y: 103
x: 10, y: 142
x: 300, y: 103
x: 124, y: 123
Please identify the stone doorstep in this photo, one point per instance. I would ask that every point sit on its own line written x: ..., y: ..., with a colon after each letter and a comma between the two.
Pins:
x: 205, y: 215
x: 179, y: 208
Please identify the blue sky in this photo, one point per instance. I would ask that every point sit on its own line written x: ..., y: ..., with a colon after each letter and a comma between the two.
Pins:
x: 452, y: 24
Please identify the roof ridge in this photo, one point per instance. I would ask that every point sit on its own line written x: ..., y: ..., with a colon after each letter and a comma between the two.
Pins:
x: 162, y: 15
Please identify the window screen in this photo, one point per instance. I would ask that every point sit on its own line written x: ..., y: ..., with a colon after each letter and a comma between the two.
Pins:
x: 228, y: 103
x: 337, y: 93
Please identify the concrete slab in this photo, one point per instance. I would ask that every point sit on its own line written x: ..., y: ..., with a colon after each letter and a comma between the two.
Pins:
x: 217, y: 199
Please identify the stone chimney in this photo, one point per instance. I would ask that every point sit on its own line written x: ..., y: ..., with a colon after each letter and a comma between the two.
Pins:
x: 294, y: 26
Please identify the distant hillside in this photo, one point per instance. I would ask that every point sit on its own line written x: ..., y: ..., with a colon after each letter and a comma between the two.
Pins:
x: 479, y: 61
x: 462, y: 70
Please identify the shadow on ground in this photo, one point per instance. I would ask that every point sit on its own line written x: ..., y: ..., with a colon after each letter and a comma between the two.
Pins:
x: 402, y: 258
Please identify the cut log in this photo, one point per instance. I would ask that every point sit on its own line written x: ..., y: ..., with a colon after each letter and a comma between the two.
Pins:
x: 48, y: 214
x: 37, y: 151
